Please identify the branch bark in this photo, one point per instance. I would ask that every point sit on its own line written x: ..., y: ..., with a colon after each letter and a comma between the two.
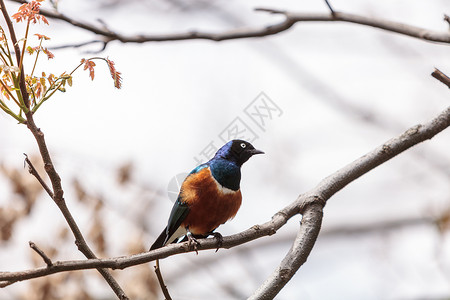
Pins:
x: 296, y: 256
x: 309, y: 204
x: 397, y: 27
x: 331, y: 185
x: 441, y: 77
x: 291, y: 18
x: 41, y: 253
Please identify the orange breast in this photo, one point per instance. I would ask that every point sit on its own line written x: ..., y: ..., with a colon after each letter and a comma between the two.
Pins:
x: 209, y: 205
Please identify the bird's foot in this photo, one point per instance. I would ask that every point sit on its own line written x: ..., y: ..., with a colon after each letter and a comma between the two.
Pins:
x: 192, y: 242
x: 219, y: 239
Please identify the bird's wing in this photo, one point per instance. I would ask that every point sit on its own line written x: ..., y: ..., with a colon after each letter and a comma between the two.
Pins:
x: 179, y: 212
x: 159, y: 241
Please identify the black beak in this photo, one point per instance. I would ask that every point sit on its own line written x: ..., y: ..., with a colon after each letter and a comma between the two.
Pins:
x: 256, y: 151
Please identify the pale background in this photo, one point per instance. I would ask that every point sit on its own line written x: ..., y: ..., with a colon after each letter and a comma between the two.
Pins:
x: 179, y: 96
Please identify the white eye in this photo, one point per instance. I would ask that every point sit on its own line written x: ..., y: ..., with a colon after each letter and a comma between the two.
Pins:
x: 243, y: 145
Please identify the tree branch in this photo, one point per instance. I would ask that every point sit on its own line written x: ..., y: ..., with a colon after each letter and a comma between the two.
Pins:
x: 291, y: 18
x: 441, y: 77
x: 32, y: 170
x: 334, y: 183
x: 310, y: 204
x: 397, y: 27
x: 161, y: 282
x: 330, y: 7
x: 447, y: 19
x: 41, y: 253
x: 57, y: 193
x: 58, y: 198
x: 296, y: 256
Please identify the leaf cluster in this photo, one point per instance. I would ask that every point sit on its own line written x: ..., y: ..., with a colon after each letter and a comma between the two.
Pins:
x: 39, y: 88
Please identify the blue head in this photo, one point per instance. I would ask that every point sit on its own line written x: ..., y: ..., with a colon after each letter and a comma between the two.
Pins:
x: 226, y: 164
x: 237, y: 151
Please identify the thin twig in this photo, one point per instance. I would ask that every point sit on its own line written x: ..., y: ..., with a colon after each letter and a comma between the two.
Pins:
x: 329, y: 6
x: 309, y: 203
x: 4, y: 284
x: 12, y: 33
x: 58, y: 198
x: 161, y: 281
x: 103, y: 43
x: 35, y: 173
x: 441, y: 77
x: 447, y: 19
x: 41, y: 253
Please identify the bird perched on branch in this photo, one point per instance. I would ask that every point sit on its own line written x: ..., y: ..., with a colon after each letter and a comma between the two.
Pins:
x: 209, y: 196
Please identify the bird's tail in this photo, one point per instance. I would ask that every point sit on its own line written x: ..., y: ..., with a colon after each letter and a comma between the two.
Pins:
x: 159, y: 241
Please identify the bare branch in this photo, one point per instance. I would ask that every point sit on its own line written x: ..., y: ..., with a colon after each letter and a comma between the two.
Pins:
x: 309, y: 204
x: 330, y: 7
x: 82, y: 44
x: 35, y: 173
x: 61, y: 203
x: 41, y: 253
x: 441, y: 77
x: 161, y: 281
x: 447, y: 19
x: 6, y: 283
x: 291, y: 18
x: 401, y: 28
x: 296, y: 256
x: 329, y: 186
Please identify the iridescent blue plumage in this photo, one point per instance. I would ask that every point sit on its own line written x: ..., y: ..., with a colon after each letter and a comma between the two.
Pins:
x: 198, y: 168
x: 226, y: 172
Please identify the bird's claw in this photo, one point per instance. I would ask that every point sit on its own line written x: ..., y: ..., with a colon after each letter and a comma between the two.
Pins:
x: 192, y: 242
x: 219, y: 239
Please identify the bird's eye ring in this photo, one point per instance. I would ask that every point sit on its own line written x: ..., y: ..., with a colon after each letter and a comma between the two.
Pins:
x: 243, y: 145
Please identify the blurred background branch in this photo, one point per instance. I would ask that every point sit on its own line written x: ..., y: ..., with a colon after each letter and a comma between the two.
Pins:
x: 290, y: 19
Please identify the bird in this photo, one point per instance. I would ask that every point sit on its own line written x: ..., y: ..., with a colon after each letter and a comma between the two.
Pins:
x: 209, y: 196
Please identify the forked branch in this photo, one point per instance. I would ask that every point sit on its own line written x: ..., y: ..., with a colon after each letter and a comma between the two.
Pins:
x: 309, y: 204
